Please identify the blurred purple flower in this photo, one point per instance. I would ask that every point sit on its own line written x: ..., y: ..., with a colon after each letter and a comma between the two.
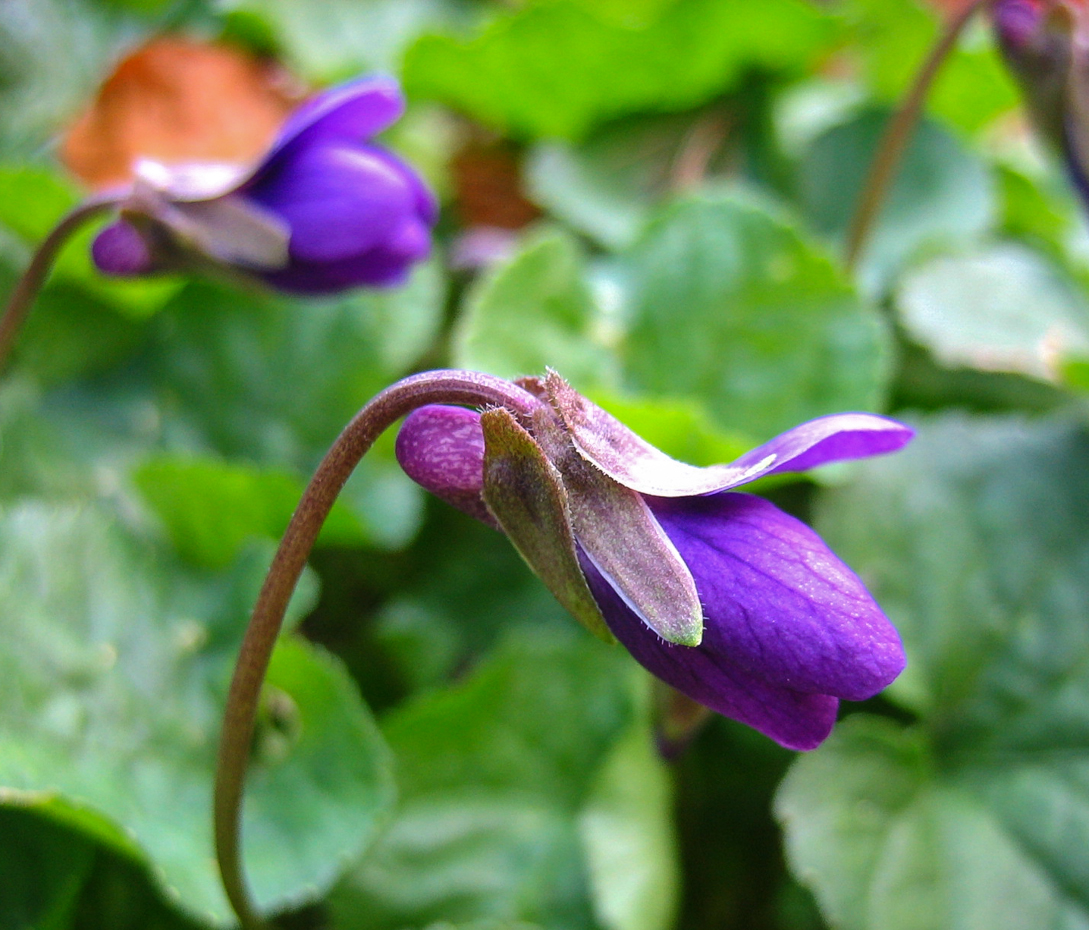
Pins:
x: 323, y: 210
x: 1046, y: 45
x: 783, y: 629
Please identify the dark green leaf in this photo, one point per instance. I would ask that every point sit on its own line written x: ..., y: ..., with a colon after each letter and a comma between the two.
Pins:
x: 505, y: 799
x: 942, y: 193
x: 116, y: 665
x: 976, y: 541
x: 734, y: 309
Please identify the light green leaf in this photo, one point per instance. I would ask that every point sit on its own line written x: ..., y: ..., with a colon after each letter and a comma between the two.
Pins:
x: 892, y: 39
x: 116, y: 665
x: 629, y: 839
x: 1004, y: 308
x: 211, y: 507
x: 607, y: 186
x: 557, y: 68
x: 534, y: 312
x: 889, y: 845
x: 331, y: 40
x: 732, y: 308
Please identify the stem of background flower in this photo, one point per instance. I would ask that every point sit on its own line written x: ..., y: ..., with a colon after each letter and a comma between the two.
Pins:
x: 898, y: 132
x: 26, y: 289
x: 461, y: 388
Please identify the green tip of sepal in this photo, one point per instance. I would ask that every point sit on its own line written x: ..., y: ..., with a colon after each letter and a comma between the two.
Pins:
x: 525, y: 494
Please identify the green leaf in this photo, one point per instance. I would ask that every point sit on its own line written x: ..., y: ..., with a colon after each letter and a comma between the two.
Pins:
x: 557, y: 68
x: 629, y: 839
x: 607, y: 186
x: 504, y: 796
x: 942, y: 193
x: 976, y: 542
x: 116, y: 663
x: 52, y: 53
x: 274, y: 381
x: 331, y: 40
x: 42, y: 870
x: 893, y: 37
x: 535, y: 311
x: 1004, y: 308
x: 732, y: 308
x: 679, y: 428
x: 211, y: 508
x: 888, y: 845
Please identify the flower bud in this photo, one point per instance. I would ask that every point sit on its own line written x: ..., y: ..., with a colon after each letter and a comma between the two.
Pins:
x: 323, y: 210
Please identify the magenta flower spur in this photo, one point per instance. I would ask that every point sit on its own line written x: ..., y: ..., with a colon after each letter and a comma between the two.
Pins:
x: 720, y: 594
x: 324, y: 209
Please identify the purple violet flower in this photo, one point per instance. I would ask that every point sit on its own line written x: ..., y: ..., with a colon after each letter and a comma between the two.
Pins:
x: 322, y: 211
x: 1046, y: 45
x: 720, y: 594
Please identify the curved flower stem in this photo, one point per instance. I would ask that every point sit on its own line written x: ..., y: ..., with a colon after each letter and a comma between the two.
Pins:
x: 896, y: 136
x: 463, y: 388
x: 27, y: 287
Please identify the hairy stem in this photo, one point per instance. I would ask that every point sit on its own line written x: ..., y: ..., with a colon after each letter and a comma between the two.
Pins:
x: 26, y: 288
x: 461, y: 388
x: 894, y: 141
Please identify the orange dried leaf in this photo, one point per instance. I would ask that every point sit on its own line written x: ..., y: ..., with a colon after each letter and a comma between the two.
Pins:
x: 179, y: 100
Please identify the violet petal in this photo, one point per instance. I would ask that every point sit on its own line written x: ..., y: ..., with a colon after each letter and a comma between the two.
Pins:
x: 630, y: 460
x: 119, y: 249
x: 351, y: 112
x: 777, y: 601
x: 709, y: 676
x: 339, y: 202
x: 442, y: 449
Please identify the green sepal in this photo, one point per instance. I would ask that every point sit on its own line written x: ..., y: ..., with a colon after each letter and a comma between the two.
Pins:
x: 524, y: 492
x: 624, y: 540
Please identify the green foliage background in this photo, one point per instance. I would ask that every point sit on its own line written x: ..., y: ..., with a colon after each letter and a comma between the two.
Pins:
x: 441, y: 747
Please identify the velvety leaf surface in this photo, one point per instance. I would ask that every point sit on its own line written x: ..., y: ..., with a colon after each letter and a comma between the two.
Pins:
x: 1004, y: 308
x: 731, y: 305
x: 117, y: 665
x: 607, y: 185
x: 507, y: 75
x: 275, y: 381
x: 942, y: 193
x: 535, y: 311
x: 212, y: 508
x: 976, y: 541
x: 515, y: 791
x: 330, y: 40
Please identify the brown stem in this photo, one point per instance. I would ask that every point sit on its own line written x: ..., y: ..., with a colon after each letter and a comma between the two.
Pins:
x: 894, y: 141
x: 462, y: 388
x: 26, y: 288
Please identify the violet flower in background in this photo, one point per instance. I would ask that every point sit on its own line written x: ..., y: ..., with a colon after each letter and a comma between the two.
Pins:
x: 1046, y: 45
x: 720, y: 594
x: 322, y: 211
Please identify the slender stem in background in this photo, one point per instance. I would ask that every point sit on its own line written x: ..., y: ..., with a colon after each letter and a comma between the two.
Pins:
x: 461, y: 388
x: 27, y: 287
x: 896, y: 136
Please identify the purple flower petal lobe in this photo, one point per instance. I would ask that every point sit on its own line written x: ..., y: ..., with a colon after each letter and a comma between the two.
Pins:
x: 776, y: 599
x: 442, y: 450
x: 792, y: 718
